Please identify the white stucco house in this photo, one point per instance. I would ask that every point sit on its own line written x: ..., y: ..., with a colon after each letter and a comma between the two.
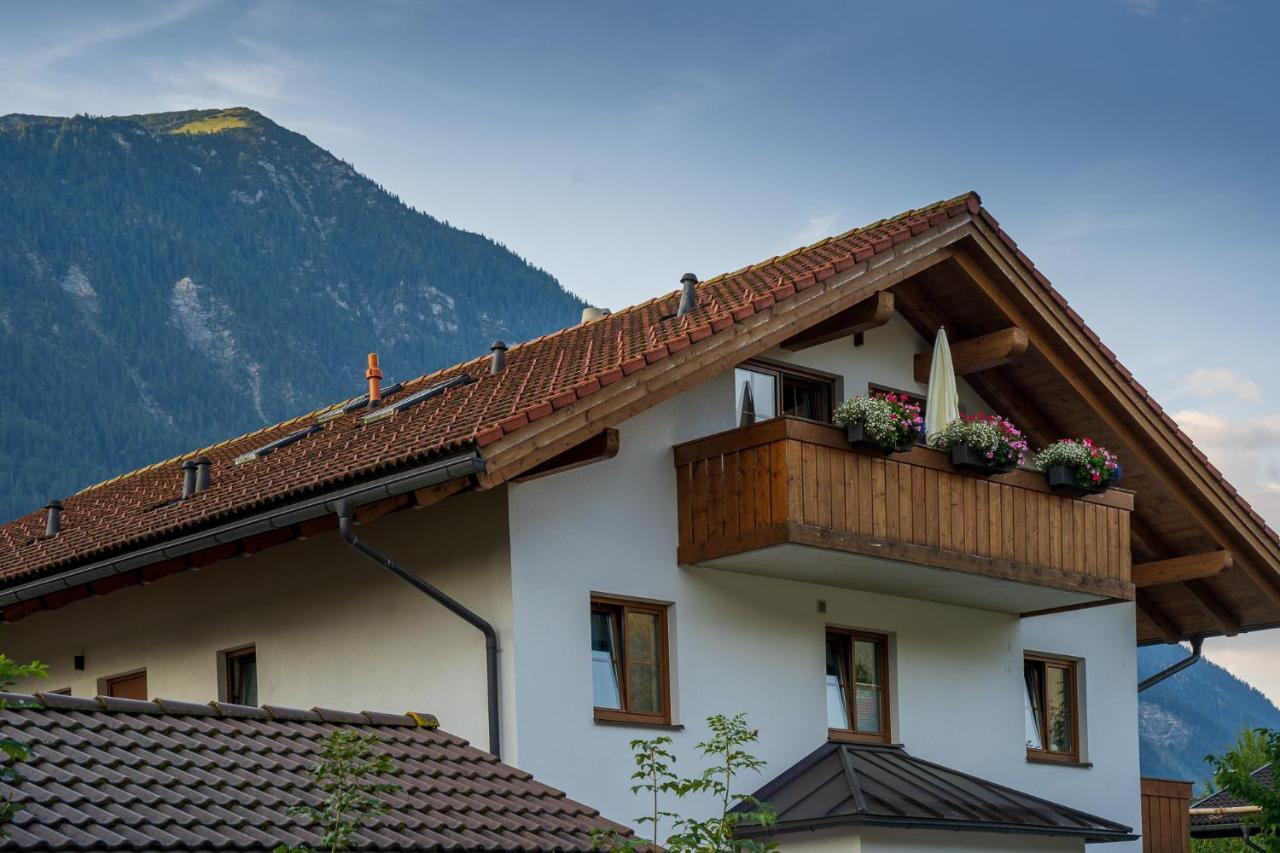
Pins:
x: 624, y: 527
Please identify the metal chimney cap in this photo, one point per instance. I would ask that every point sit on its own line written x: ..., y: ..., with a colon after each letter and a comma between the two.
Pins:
x: 688, y: 278
x: 189, y: 465
x: 203, y: 460
x: 497, y: 345
x: 53, y: 504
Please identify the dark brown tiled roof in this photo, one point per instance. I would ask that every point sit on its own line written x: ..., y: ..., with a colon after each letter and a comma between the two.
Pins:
x: 842, y: 784
x: 541, y: 377
x: 1218, y: 826
x: 119, y: 774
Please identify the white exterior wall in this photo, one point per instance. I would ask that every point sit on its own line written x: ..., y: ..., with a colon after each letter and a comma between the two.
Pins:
x: 755, y: 644
x: 331, y: 628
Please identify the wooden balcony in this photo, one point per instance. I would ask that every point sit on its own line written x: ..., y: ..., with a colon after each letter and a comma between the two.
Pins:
x: 791, y: 499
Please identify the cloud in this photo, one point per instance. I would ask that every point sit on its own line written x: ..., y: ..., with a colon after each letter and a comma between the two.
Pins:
x: 1216, y: 381
x: 1143, y: 7
x: 814, y: 229
x: 101, y: 33
x: 1244, y: 434
x: 1246, y: 450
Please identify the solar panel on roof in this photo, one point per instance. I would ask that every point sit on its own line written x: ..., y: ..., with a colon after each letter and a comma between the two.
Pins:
x: 417, y: 397
x: 272, y: 446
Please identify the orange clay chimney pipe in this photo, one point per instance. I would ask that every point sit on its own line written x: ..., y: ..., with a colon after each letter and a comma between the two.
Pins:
x: 374, y: 375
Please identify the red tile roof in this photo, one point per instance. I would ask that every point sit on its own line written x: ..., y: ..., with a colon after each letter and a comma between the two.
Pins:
x: 121, y: 774
x: 541, y: 376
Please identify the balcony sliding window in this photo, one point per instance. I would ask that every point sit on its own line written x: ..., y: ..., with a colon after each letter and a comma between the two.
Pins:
x: 857, y: 686
x: 629, y: 670
x: 1051, y: 709
x: 764, y: 391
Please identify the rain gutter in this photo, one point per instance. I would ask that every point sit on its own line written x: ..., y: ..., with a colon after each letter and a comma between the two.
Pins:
x: 346, y: 525
x: 1196, y: 644
x: 403, y: 482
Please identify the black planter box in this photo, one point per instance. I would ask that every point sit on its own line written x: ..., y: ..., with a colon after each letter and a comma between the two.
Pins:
x: 1062, y: 478
x: 966, y: 458
x: 858, y: 438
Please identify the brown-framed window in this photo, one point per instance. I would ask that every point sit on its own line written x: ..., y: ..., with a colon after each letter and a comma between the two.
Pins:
x: 764, y: 391
x: 240, y: 684
x: 630, y: 676
x: 857, y: 686
x: 130, y: 686
x: 1051, y: 690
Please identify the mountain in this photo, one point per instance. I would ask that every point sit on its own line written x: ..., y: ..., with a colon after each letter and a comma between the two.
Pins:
x: 1197, y: 712
x: 170, y: 280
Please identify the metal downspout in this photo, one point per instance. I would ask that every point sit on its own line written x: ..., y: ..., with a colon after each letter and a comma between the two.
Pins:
x: 346, y: 527
x: 1174, y: 669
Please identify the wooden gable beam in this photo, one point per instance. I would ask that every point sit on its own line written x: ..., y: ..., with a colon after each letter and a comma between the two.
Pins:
x: 1179, y: 569
x: 1165, y: 626
x: 981, y: 353
x: 867, y: 314
x: 604, y: 445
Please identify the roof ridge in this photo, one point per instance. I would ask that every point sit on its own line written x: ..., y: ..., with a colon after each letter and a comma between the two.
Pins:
x: 41, y: 701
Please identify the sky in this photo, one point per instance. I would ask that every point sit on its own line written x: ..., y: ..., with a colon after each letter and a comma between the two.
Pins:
x: 1129, y: 146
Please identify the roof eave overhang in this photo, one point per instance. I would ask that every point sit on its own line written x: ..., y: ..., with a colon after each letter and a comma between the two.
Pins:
x: 1080, y: 357
x: 433, y: 473
x: 1091, y: 835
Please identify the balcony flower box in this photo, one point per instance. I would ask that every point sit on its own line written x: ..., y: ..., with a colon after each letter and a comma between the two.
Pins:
x: 966, y: 457
x: 889, y: 423
x: 983, y: 444
x: 1078, y: 467
x: 859, y: 437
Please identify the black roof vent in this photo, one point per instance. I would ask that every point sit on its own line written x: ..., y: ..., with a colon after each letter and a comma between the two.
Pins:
x: 203, y: 463
x: 188, y: 478
x: 688, y: 295
x: 497, y: 357
x: 53, y: 521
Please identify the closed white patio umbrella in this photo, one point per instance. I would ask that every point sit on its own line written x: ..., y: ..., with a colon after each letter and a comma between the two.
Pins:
x: 943, y: 404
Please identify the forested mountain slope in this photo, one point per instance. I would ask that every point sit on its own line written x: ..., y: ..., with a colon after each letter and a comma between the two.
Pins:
x: 1197, y: 712
x: 174, y: 279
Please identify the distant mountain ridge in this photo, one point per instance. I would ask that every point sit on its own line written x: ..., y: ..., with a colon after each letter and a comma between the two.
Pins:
x: 1197, y: 712
x: 174, y: 279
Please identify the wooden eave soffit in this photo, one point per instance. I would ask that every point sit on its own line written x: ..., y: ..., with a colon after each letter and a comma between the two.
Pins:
x: 982, y: 353
x: 867, y: 314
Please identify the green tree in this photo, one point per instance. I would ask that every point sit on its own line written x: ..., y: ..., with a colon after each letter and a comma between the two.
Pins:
x: 346, y: 773
x: 1233, y: 772
x: 13, y: 752
x: 729, y: 758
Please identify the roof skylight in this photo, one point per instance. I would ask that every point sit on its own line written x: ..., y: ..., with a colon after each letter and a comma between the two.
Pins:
x: 417, y: 397
x: 273, y: 446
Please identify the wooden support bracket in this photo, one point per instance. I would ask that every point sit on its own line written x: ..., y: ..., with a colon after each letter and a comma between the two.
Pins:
x: 980, y: 353
x: 595, y: 449
x: 1179, y: 569
x: 867, y: 314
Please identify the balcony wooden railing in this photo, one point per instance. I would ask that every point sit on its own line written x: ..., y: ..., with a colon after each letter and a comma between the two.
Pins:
x: 789, y: 481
